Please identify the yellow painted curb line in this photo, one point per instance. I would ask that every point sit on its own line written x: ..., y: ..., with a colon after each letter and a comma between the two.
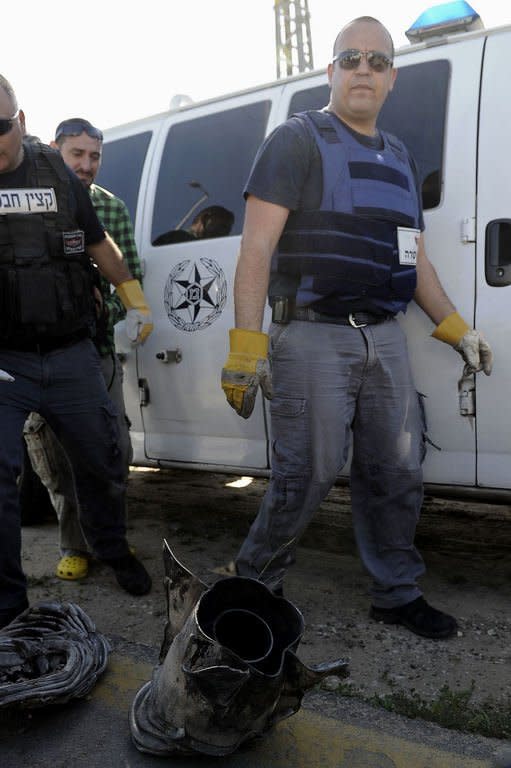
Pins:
x: 306, y: 739
x: 122, y: 679
x: 322, y: 742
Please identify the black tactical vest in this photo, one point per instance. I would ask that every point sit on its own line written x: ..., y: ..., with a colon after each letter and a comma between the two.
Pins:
x: 45, y: 274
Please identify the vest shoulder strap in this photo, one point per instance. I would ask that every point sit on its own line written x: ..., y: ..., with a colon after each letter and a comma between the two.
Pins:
x: 56, y: 162
x: 323, y: 124
x: 47, y: 169
x: 396, y: 146
x: 45, y: 163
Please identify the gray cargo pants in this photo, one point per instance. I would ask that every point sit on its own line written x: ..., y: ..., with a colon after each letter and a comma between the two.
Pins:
x: 328, y: 379
x: 50, y: 461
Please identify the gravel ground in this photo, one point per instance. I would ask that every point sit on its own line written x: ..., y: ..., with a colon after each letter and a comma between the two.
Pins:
x: 466, y: 546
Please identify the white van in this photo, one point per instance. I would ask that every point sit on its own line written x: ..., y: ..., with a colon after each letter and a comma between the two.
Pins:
x: 451, y: 106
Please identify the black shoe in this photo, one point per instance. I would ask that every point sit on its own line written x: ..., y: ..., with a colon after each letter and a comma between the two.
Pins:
x: 130, y: 574
x: 419, y: 617
x: 9, y: 614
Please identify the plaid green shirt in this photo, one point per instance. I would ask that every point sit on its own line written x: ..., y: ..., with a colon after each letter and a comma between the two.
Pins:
x: 115, y: 218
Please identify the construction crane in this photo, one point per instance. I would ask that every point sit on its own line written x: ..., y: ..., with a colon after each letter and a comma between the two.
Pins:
x: 292, y: 37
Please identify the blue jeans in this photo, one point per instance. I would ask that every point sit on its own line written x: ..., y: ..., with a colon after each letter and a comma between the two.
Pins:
x: 329, y: 380
x: 67, y: 388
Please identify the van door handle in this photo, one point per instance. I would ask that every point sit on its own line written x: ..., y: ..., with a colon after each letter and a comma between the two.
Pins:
x: 498, y: 252
x: 170, y: 356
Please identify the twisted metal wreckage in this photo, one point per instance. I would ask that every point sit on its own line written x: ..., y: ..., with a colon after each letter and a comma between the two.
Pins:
x: 227, y: 673
x: 49, y: 654
x: 228, y: 670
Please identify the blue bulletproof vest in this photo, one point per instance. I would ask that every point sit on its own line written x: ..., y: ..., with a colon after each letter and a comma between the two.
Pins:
x: 344, y: 256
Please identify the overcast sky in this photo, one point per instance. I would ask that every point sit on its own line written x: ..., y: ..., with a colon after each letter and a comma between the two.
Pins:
x: 113, y: 61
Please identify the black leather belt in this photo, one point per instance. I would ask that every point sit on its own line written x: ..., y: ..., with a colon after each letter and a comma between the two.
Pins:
x: 355, y: 319
x: 43, y: 346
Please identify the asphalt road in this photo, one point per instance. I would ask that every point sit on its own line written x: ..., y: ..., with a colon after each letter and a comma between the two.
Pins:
x: 330, y: 730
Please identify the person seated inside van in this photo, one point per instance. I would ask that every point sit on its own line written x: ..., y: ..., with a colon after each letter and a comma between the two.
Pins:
x: 213, y: 221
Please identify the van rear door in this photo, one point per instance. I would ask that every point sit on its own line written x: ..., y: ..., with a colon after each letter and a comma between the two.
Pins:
x: 449, y: 195
x: 493, y: 307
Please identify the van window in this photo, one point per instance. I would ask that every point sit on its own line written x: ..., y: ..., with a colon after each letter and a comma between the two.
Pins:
x: 310, y: 98
x: 204, y: 168
x: 121, y: 168
x: 419, y: 98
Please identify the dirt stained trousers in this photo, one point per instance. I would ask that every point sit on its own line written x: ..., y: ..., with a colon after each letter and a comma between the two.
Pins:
x: 328, y: 379
x: 51, y: 464
x: 67, y: 388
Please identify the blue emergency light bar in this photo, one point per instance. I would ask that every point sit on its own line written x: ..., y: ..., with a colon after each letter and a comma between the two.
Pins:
x: 444, y: 19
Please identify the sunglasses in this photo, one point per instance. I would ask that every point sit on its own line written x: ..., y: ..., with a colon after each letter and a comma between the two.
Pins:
x: 352, y: 58
x: 6, y: 123
x: 76, y: 127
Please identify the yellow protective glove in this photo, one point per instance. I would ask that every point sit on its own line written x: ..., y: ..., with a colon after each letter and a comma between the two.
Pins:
x: 246, y: 368
x: 138, y: 315
x: 471, y: 344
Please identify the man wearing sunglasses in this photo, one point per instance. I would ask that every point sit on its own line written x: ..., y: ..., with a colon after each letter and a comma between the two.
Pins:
x: 80, y: 144
x: 49, y: 236
x: 333, y: 233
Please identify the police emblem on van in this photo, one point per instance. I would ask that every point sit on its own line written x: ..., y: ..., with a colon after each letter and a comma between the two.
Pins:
x: 195, y: 294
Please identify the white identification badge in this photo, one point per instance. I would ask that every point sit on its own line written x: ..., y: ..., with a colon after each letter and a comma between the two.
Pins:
x: 42, y: 200
x: 407, y: 243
